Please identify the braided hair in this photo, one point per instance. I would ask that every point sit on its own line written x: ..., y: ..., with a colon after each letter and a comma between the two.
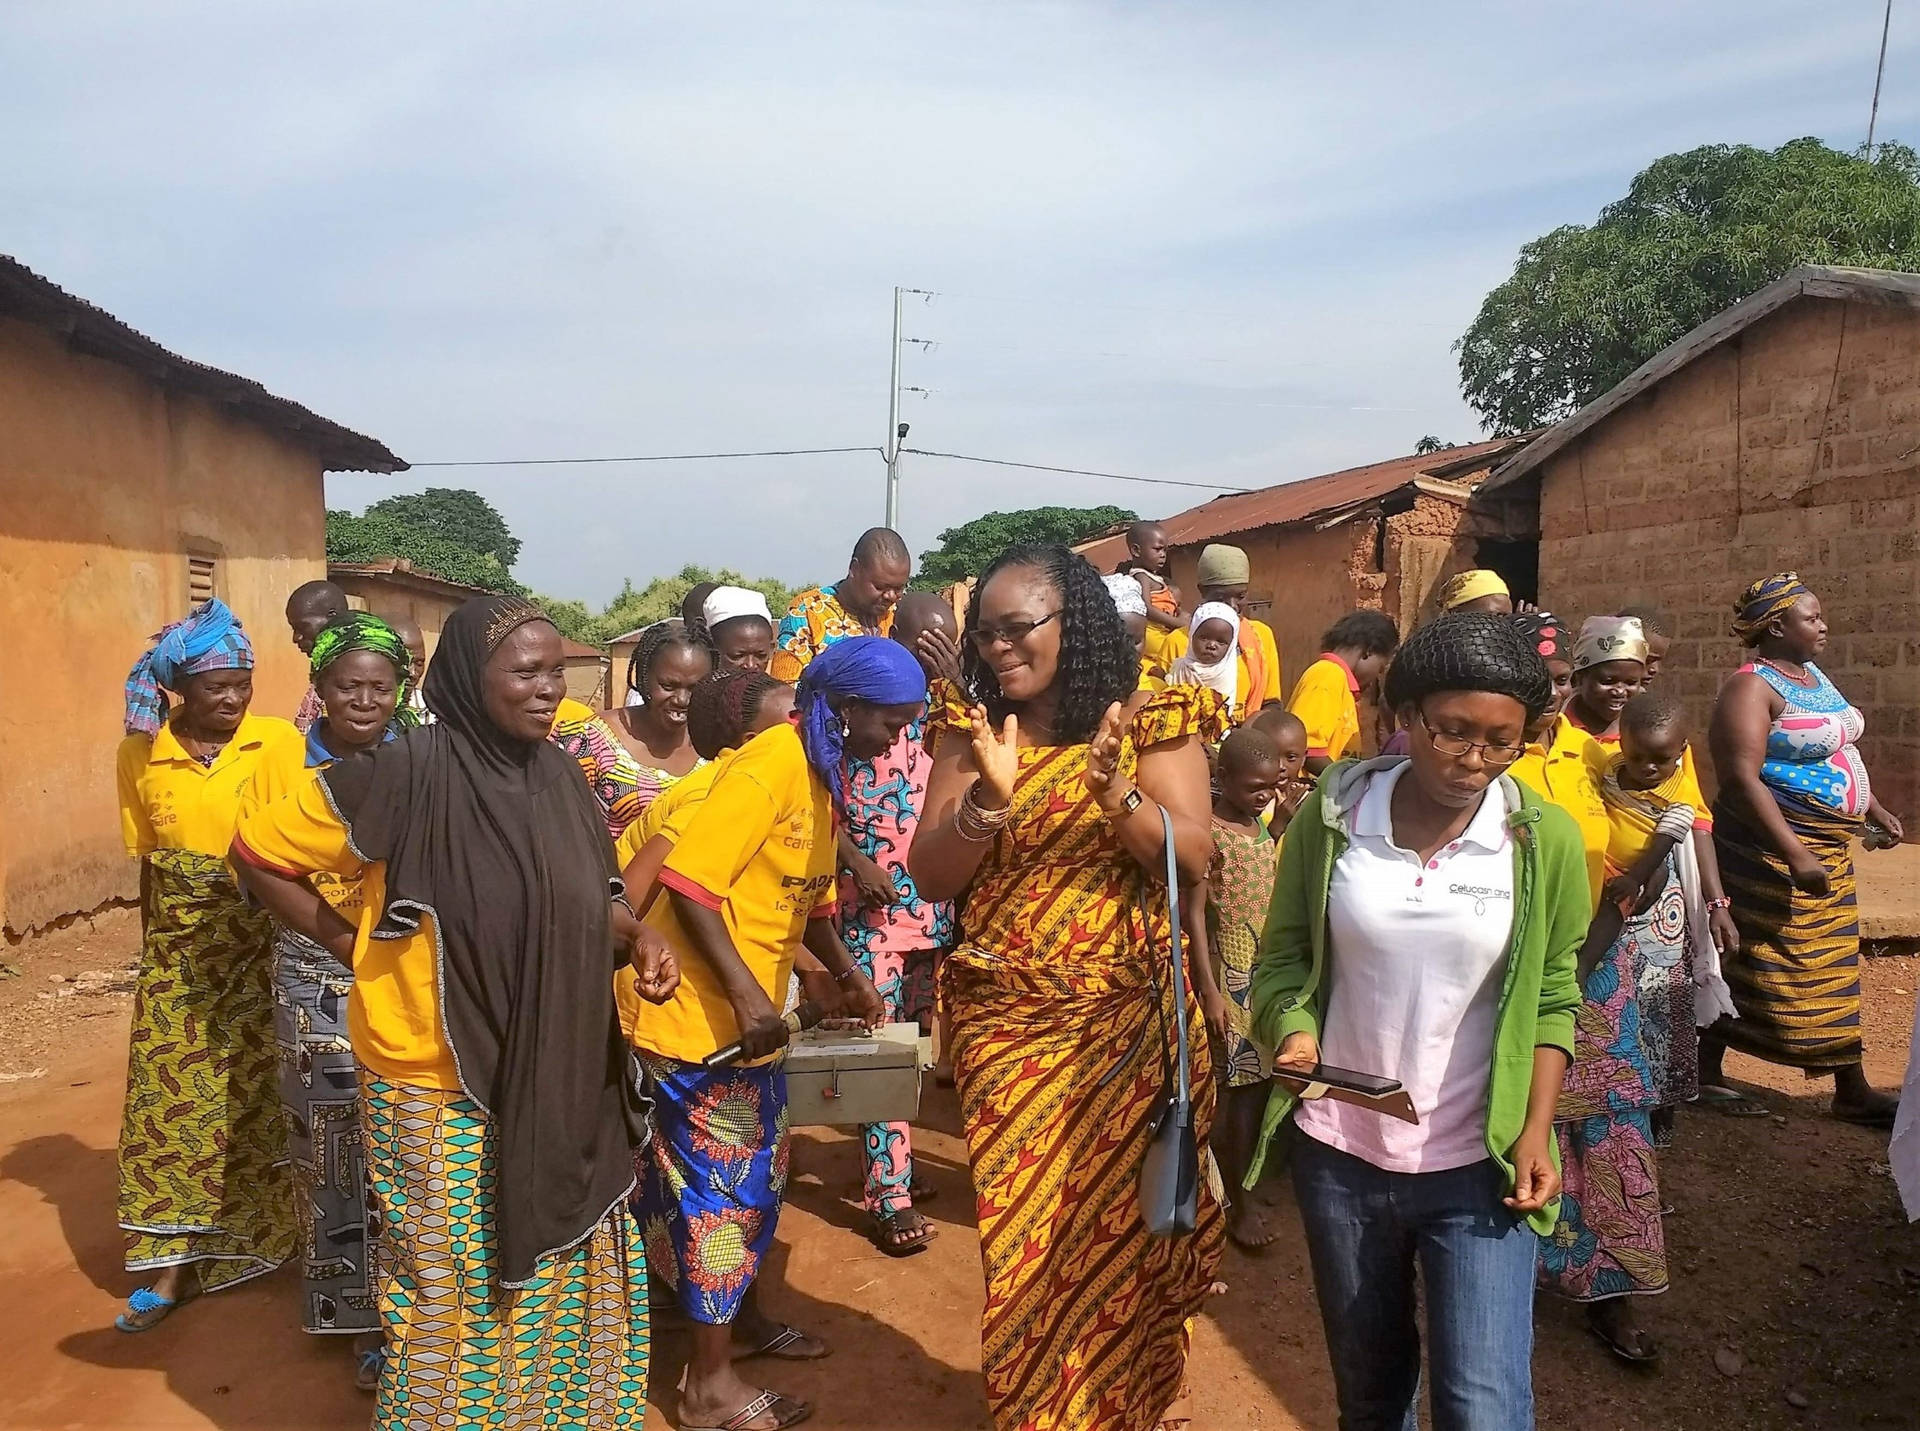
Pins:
x: 1097, y: 664
x: 723, y: 708
x: 659, y: 637
x: 1470, y: 651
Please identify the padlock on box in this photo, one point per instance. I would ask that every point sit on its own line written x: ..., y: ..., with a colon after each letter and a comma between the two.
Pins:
x: 843, y: 1078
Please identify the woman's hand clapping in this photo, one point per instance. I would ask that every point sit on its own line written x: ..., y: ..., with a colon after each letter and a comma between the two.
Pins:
x: 996, y: 755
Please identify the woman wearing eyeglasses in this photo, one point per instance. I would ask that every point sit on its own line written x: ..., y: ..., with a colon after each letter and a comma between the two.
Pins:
x: 1424, y: 927
x: 1043, y: 810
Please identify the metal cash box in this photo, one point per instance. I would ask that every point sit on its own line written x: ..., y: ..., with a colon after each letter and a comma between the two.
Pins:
x: 837, y: 1077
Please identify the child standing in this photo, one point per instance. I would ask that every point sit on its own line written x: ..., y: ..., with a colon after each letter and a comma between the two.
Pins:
x: 1224, y: 914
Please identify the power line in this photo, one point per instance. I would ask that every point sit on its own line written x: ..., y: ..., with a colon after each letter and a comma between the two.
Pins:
x: 1075, y: 471
x: 649, y: 457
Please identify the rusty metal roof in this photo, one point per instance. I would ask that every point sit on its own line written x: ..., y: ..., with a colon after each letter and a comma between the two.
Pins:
x: 1316, y: 497
x: 1862, y: 285
x: 27, y: 296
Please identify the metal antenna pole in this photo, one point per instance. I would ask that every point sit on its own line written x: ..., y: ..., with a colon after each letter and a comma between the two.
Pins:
x: 1873, y: 118
x: 892, y: 448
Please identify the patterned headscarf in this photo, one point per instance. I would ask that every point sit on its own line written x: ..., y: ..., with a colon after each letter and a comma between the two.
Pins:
x: 868, y: 668
x: 210, y: 639
x: 1609, y: 638
x: 1127, y: 596
x: 1459, y: 589
x: 1546, y: 633
x: 363, y: 631
x: 1765, y: 602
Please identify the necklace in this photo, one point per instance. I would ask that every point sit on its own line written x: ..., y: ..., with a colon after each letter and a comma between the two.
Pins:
x: 203, y: 752
x: 1804, y: 678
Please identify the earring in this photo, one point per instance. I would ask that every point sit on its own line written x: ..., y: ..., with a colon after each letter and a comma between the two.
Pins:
x: 845, y: 730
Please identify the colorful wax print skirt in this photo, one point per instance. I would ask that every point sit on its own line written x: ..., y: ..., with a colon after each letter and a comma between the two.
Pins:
x: 567, y: 1350
x: 204, y: 1176
x: 1609, y: 1240
x: 711, y: 1179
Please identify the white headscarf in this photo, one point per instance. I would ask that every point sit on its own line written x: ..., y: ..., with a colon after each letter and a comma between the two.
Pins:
x: 1223, y: 675
x: 726, y: 603
x: 1126, y: 593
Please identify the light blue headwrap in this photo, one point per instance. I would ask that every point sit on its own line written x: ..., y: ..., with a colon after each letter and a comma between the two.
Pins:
x: 868, y: 668
x: 210, y: 639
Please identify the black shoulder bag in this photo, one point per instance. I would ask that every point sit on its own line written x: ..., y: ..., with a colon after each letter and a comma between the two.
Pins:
x: 1170, y: 1171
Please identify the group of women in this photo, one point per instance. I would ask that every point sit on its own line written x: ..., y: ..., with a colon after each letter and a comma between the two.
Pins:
x: 495, y: 1032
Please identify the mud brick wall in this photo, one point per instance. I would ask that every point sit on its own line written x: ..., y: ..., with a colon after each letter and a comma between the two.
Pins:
x: 1795, y: 446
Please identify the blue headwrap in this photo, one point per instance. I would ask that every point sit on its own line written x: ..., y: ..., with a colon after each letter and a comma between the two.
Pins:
x: 868, y: 668
x: 210, y: 639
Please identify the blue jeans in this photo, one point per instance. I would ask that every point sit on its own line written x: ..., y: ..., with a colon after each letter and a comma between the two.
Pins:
x: 1366, y: 1231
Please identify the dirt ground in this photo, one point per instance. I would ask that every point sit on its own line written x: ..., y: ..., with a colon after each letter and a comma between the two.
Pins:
x: 1796, y: 1299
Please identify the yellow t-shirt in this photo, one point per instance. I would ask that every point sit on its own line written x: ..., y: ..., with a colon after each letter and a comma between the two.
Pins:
x: 1567, y: 773
x: 282, y: 772
x: 393, y: 1014
x: 1629, y: 837
x: 1327, y: 704
x: 1262, y: 636
x: 759, y: 850
x: 170, y: 801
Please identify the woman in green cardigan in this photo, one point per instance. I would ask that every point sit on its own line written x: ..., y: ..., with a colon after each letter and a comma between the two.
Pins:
x: 1423, y: 927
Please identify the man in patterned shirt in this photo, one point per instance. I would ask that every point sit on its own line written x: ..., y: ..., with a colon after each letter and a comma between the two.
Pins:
x: 860, y: 604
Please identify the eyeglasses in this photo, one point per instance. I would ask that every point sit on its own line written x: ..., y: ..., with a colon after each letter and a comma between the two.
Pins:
x: 1013, y: 633
x: 1493, y: 753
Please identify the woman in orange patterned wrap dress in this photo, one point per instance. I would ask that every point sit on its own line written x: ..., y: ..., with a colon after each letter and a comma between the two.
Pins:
x: 1044, y: 811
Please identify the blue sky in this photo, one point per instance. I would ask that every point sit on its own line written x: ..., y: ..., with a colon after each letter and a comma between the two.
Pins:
x: 1227, y: 243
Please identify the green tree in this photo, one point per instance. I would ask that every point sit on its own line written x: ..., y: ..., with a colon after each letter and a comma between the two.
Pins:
x: 455, y: 515
x: 376, y: 537
x: 966, y: 550
x: 656, y: 601
x: 1430, y: 444
x: 1696, y: 232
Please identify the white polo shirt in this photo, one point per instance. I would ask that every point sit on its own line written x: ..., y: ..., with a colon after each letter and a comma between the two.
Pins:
x: 1416, y: 955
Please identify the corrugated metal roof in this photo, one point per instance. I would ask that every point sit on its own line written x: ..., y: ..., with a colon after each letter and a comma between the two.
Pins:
x: 1314, y: 497
x: 27, y: 296
x: 1862, y: 285
x: 402, y: 572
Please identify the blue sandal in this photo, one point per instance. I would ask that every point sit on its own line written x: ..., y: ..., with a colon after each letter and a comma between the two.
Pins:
x: 146, y: 1309
x: 367, y: 1375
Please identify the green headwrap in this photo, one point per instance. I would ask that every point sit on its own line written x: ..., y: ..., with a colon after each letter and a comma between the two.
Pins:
x: 363, y: 631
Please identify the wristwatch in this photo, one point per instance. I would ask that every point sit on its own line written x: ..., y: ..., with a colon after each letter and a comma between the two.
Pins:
x: 1131, y: 801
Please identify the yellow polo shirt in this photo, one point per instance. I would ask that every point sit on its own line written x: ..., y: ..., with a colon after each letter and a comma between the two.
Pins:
x: 393, y: 1014
x: 1327, y: 702
x: 670, y: 810
x: 282, y: 772
x: 170, y: 801
x: 758, y: 850
x: 1566, y: 771
x: 1262, y: 636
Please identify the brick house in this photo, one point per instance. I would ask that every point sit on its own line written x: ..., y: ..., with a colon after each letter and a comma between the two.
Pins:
x: 1377, y: 537
x: 134, y: 484
x: 1783, y: 434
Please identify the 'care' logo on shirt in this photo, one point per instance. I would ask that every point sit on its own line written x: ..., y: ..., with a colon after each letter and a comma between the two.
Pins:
x: 1479, y: 894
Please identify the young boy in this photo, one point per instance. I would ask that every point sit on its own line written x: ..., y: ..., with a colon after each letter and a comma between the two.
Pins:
x: 1224, y: 915
x: 1289, y: 736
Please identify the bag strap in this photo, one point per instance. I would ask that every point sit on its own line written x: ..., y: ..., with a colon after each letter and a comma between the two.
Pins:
x: 1183, y: 1089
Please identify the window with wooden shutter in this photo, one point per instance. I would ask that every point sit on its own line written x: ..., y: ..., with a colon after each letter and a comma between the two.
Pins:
x: 202, y: 580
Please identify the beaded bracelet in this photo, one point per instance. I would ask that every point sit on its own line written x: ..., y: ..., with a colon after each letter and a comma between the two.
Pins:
x: 1721, y: 903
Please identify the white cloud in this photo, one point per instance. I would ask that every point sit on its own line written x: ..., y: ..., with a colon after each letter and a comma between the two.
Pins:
x: 1230, y: 242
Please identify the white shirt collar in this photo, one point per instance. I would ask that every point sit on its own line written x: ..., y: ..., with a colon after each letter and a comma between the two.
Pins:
x: 1373, y: 818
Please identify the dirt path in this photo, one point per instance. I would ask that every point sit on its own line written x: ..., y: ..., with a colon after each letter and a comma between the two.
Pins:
x: 1788, y: 1249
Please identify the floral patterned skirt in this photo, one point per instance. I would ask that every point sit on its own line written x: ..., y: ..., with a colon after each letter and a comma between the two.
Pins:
x: 711, y: 1179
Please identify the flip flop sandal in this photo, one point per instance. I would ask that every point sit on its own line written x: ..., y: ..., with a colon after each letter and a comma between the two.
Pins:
x: 777, y: 1345
x: 366, y: 1376
x: 147, y: 1309
x: 1731, y: 1103
x: 786, y: 1411
x: 909, y: 1241
x: 1644, y: 1354
x: 1869, y: 1118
